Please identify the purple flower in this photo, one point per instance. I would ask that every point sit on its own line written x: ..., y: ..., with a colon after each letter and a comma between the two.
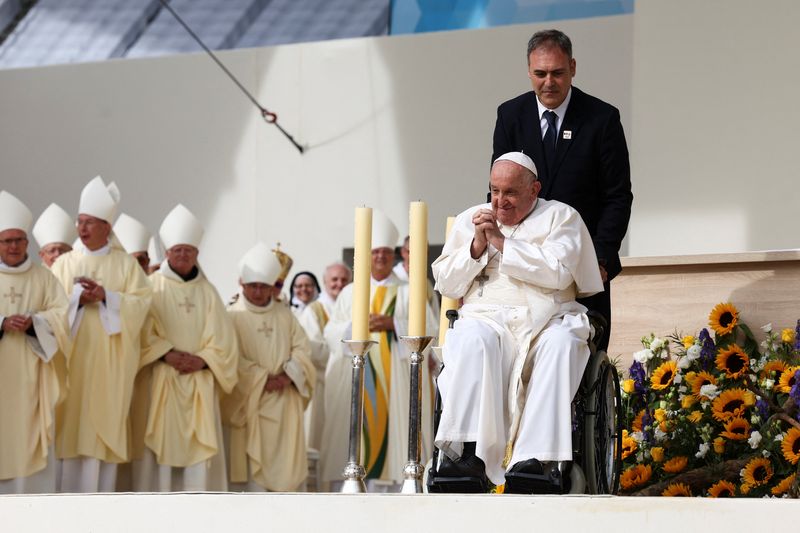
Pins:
x: 797, y: 337
x: 647, y: 422
x: 708, y: 350
x: 763, y: 408
x: 639, y: 377
x: 794, y: 392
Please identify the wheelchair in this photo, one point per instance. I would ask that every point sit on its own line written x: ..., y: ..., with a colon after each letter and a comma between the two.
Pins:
x: 596, y: 436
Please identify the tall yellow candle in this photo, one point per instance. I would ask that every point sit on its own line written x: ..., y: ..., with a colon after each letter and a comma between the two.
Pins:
x: 362, y: 265
x: 417, y: 268
x: 447, y: 303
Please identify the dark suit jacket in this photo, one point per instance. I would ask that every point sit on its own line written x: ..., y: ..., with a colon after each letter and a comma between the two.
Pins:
x: 591, y: 171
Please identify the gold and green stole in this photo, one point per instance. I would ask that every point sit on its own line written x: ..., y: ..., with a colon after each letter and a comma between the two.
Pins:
x: 377, y: 383
x: 319, y: 313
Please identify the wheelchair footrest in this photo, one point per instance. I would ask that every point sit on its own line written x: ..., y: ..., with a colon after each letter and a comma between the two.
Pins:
x: 460, y: 485
x: 547, y: 483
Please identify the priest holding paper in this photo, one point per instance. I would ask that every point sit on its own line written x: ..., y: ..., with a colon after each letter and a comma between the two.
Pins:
x: 515, y: 359
x: 276, y: 382
x: 190, y: 351
x: 109, y: 297
x: 386, y: 379
x: 33, y: 335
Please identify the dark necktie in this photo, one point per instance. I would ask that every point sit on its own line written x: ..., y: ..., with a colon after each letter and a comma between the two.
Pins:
x: 549, y: 139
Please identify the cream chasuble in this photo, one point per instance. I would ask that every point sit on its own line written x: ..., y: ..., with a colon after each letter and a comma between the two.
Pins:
x: 32, y: 376
x: 183, y: 425
x: 386, y: 390
x: 104, y: 356
x: 267, y: 436
x: 314, y: 318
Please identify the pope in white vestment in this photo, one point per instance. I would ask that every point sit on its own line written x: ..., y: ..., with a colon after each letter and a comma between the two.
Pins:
x: 517, y: 353
x: 386, y: 397
x: 276, y: 382
x: 33, y: 330
x: 109, y: 296
x: 190, y: 352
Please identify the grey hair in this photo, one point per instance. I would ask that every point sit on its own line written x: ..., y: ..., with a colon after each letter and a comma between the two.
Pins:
x: 337, y: 264
x: 547, y: 38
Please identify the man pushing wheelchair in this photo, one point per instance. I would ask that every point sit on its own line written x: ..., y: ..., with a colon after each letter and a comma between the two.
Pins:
x: 516, y: 356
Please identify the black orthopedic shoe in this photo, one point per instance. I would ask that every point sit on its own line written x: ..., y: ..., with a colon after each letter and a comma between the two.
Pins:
x: 467, y: 474
x: 535, y: 477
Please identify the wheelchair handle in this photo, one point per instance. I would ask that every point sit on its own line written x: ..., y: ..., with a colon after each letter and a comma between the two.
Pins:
x: 452, y: 316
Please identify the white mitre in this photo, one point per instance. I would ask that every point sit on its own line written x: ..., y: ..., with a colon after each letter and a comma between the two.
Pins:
x: 181, y: 227
x: 259, y: 265
x: 53, y: 226
x: 132, y: 234
x: 155, y: 251
x: 14, y: 214
x: 384, y: 232
x: 520, y: 159
x: 99, y: 200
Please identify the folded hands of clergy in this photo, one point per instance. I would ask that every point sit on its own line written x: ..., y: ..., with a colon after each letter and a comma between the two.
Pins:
x: 17, y: 323
x: 184, y: 362
x: 277, y: 382
x: 380, y: 323
x: 92, y: 291
x: 486, y: 232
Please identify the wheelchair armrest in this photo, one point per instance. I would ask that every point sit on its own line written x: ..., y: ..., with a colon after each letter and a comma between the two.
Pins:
x: 452, y: 316
x: 600, y: 324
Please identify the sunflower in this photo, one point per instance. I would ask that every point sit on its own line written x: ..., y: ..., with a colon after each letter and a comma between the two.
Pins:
x: 773, y: 366
x: 677, y: 489
x: 695, y: 417
x: 688, y: 401
x: 730, y: 404
x: 791, y: 445
x: 676, y: 464
x: 663, y: 375
x: 636, y: 425
x: 787, y: 380
x: 635, y: 476
x: 784, y: 486
x: 722, y: 489
x: 745, y: 488
x: 700, y: 379
x: 723, y: 318
x: 629, y: 445
x: 733, y: 361
x: 757, y: 472
x: 736, y: 429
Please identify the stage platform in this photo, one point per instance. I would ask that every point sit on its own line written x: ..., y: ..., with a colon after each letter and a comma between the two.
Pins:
x: 229, y: 512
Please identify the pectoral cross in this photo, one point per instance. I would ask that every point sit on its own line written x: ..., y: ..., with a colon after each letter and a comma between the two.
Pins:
x: 187, y: 304
x: 265, y: 330
x: 13, y: 295
x: 482, y: 279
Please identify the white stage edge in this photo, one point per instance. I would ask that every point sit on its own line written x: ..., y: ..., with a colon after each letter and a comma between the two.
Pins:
x: 230, y: 512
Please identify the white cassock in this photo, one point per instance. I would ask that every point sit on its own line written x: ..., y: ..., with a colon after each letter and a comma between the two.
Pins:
x: 314, y: 318
x: 32, y: 377
x: 385, y: 442
x: 515, y: 359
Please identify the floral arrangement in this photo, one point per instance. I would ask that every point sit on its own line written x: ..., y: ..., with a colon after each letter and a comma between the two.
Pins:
x: 714, y: 414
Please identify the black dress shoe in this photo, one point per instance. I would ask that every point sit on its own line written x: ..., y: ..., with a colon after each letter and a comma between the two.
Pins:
x: 471, y: 466
x: 530, y: 466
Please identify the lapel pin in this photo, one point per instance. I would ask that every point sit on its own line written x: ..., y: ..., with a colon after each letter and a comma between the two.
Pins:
x: 567, y: 134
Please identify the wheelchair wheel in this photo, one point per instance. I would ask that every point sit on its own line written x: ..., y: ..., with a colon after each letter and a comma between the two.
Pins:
x: 603, y: 430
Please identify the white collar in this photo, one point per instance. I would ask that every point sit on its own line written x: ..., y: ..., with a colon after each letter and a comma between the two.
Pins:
x: 257, y: 308
x: 100, y: 251
x: 20, y: 268
x: 560, y: 110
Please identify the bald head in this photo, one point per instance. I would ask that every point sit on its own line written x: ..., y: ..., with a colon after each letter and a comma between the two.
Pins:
x: 336, y: 277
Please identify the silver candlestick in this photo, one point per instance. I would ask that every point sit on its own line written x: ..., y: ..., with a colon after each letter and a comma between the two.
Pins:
x: 354, y: 471
x: 413, y: 470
